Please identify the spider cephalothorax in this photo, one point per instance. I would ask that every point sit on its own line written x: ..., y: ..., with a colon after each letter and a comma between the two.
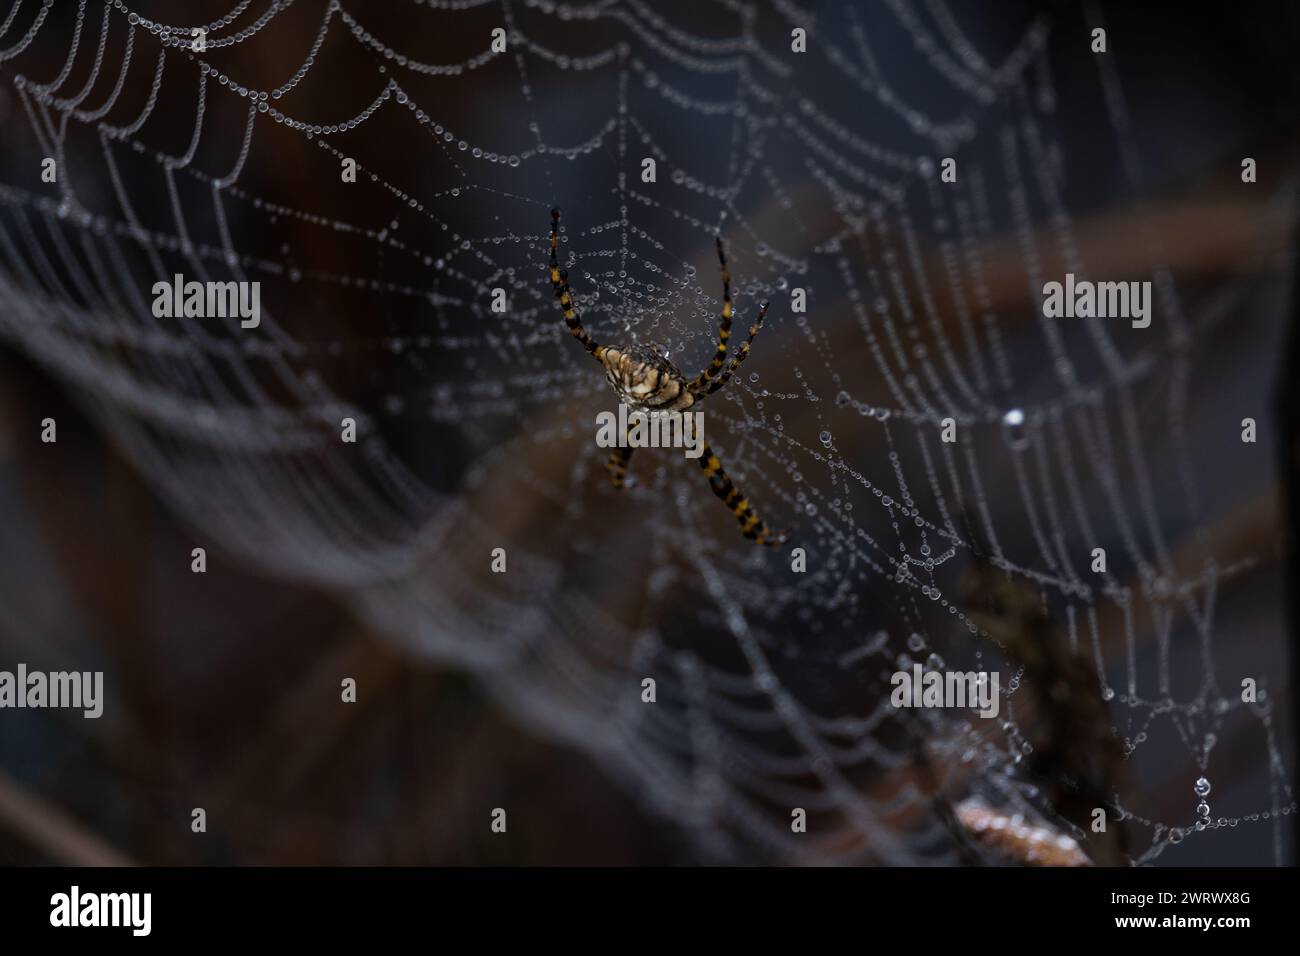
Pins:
x: 646, y: 380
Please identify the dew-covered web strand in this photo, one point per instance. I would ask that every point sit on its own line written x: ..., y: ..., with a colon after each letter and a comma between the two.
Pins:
x: 808, y: 195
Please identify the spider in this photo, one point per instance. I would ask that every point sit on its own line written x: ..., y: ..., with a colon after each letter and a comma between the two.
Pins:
x: 647, y: 381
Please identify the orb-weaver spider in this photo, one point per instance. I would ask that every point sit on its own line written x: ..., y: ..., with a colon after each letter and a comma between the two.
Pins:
x: 647, y: 381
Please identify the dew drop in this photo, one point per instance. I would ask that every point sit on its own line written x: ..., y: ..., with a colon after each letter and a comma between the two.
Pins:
x: 1013, y: 423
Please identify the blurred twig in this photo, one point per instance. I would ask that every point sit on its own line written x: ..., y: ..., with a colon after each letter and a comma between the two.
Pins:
x: 64, y: 839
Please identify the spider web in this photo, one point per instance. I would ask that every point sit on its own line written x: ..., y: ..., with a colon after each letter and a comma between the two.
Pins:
x: 821, y: 172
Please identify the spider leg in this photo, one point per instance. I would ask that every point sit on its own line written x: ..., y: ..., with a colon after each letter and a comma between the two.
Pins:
x: 701, y: 381
x: 742, y: 354
x: 560, y: 282
x: 750, y: 525
x: 617, y: 466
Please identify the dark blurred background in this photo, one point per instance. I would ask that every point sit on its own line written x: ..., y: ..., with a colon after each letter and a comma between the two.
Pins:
x: 223, y: 687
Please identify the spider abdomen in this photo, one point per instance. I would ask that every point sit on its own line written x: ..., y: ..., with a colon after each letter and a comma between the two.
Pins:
x: 644, y: 379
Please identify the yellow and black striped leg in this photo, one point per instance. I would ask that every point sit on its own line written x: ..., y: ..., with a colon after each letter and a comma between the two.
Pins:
x: 742, y: 354
x: 750, y: 525
x: 560, y: 283
x: 702, y: 381
x: 617, y: 466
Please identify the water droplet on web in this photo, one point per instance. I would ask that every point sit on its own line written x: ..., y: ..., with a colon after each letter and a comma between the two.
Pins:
x: 934, y: 662
x: 825, y: 438
x: 753, y: 376
x: 1203, y: 809
x: 916, y: 643
x: 1202, y: 787
x: 1013, y: 423
x: 1107, y: 694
